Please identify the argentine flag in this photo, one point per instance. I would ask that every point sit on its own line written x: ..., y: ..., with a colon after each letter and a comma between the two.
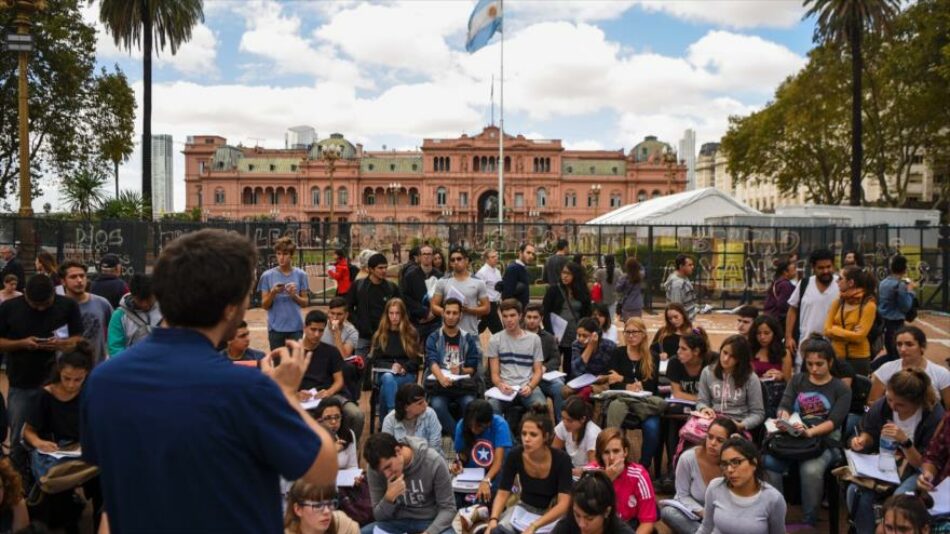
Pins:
x: 482, y: 25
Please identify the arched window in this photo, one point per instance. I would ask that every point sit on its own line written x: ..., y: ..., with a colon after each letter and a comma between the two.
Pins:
x: 591, y: 200
x: 641, y: 196
x: 343, y: 196
x: 535, y: 167
x: 485, y: 164
x: 315, y: 196
x: 271, y: 195
x: 541, y: 198
x: 219, y: 196
x: 369, y: 197
x: 292, y: 195
x: 327, y: 195
x: 441, y: 194
x: 247, y: 197
x: 547, y: 164
x: 448, y: 164
x: 616, y: 200
x: 475, y: 164
x: 413, y: 197
x: 656, y: 193
x: 570, y: 199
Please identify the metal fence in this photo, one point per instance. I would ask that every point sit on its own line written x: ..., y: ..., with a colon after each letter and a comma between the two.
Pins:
x: 734, y: 264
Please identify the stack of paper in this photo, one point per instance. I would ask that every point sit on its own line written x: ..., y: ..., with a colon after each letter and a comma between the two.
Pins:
x: 450, y: 376
x: 674, y: 400
x: 468, y: 480
x: 679, y: 506
x: 612, y: 393
x: 310, y: 404
x: 779, y: 425
x: 582, y: 381
x: 495, y: 393
x: 941, y: 497
x: 867, y: 465
x: 346, y: 478
x: 558, y: 324
x: 521, y: 519
x: 553, y: 375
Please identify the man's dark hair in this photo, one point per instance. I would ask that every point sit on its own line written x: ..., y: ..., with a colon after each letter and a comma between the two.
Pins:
x: 781, y: 267
x: 562, y: 244
x: 71, y: 264
x: 680, y: 261
x: 899, y: 265
x: 378, y: 447
x: 376, y: 260
x: 337, y: 302
x: 141, y: 286
x: 414, y: 253
x: 524, y: 245
x: 458, y: 249
x: 339, y: 253
x: 452, y: 301
x: 535, y: 307
x: 39, y: 288
x: 820, y: 255
x: 315, y: 316
x: 199, y: 274
x: 748, y: 311
x: 510, y: 304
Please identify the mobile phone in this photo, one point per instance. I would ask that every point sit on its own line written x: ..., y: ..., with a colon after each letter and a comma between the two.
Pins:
x: 279, y: 287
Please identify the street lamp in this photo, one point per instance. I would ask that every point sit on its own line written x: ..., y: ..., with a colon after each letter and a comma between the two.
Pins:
x: 394, y: 188
x: 595, y: 190
x: 330, y: 153
x: 22, y: 43
x: 669, y: 159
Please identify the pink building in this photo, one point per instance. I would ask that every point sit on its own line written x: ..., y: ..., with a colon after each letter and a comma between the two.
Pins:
x: 449, y: 180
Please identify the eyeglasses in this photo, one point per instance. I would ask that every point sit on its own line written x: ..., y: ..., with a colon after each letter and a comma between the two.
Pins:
x: 331, y: 418
x: 425, y: 253
x: 734, y: 463
x: 456, y: 258
x: 328, y: 505
x: 633, y: 332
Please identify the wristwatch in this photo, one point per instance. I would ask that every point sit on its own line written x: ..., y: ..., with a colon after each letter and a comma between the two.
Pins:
x: 487, y: 480
x: 906, y: 444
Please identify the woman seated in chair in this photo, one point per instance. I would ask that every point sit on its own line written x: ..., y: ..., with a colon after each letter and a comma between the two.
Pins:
x: 730, y: 388
x: 13, y: 512
x: 601, y: 312
x: 313, y: 510
x: 330, y: 414
x: 395, y: 353
x: 545, y: 476
x: 911, y: 343
x: 414, y: 417
x: 636, y: 500
x: 577, y: 434
x: 590, y: 354
x: 482, y: 439
x: 593, y: 509
x: 822, y: 402
x: 901, y: 423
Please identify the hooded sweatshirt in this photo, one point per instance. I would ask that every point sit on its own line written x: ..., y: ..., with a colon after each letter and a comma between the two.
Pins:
x: 129, y: 325
x: 741, y: 404
x: 428, y: 493
x: 680, y: 289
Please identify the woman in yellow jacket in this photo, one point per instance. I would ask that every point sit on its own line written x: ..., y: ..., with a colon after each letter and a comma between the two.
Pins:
x: 851, y: 318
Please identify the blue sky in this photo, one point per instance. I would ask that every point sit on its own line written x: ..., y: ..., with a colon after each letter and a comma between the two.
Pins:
x: 596, y: 74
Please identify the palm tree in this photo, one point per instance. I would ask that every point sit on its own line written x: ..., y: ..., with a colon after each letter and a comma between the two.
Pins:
x: 846, y: 22
x: 127, y: 205
x: 170, y: 23
x: 83, y: 192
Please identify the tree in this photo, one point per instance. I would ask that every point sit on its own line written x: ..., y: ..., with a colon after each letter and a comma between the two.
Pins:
x: 126, y: 205
x: 847, y: 21
x: 83, y: 192
x: 170, y: 23
x: 61, y: 80
x: 114, y: 121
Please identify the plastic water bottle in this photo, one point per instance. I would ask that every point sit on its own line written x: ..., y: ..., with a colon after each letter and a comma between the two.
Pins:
x: 885, y: 460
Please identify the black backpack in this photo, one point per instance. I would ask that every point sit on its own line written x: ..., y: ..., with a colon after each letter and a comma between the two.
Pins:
x: 353, y: 271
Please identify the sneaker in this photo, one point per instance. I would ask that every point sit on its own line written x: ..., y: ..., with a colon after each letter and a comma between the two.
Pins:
x: 473, y: 515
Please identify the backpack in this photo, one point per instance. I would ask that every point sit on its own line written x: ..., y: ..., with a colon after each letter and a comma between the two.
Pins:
x: 877, y: 328
x: 796, y: 330
x: 353, y: 272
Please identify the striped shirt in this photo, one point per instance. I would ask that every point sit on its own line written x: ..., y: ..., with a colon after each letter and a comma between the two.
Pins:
x: 635, y: 496
x: 516, y: 355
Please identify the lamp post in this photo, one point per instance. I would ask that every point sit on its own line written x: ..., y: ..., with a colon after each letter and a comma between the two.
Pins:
x: 22, y: 43
x: 595, y: 190
x: 669, y: 159
x: 394, y: 188
x: 330, y: 154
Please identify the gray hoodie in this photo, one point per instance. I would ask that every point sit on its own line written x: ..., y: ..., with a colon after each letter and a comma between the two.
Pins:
x: 428, y: 494
x: 680, y: 289
x: 742, y: 405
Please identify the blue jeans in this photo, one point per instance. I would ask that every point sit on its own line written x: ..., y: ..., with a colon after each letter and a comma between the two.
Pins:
x: 388, y: 384
x: 20, y: 404
x: 277, y: 339
x: 552, y: 389
x: 41, y: 463
x: 812, y: 476
x: 677, y: 521
x: 440, y: 403
x: 536, y: 397
x: 398, y: 526
x: 861, y: 502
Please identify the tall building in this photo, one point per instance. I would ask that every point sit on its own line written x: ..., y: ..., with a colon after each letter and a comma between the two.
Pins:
x: 687, y: 154
x: 447, y: 180
x: 300, y: 137
x: 162, y: 175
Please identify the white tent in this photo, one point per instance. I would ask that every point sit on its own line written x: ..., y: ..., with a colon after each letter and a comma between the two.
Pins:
x: 686, y: 208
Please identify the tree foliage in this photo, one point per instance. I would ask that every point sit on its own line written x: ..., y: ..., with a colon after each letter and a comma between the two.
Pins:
x: 114, y: 122
x: 62, y: 97
x: 83, y: 192
x: 127, y: 205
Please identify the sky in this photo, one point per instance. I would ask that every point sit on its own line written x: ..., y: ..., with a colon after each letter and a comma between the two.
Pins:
x: 596, y: 74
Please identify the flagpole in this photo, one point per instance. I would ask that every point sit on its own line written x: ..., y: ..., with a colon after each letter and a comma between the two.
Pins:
x: 501, y: 130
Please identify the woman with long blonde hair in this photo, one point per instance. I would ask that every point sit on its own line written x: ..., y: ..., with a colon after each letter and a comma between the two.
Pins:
x: 395, y: 353
x: 312, y: 509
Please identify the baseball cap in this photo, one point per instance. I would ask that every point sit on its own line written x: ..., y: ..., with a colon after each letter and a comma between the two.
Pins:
x: 109, y: 261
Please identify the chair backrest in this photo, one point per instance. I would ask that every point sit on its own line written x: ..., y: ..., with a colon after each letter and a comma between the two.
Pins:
x: 860, y: 389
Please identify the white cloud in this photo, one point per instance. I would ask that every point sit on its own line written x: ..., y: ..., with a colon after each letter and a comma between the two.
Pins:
x: 743, y: 62
x: 732, y: 13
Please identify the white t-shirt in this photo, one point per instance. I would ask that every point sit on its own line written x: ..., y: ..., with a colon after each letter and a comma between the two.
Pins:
x: 939, y: 375
x: 611, y: 333
x: 578, y: 451
x: 813, y: 310
x: 909, y: 425
x: 491, y: 276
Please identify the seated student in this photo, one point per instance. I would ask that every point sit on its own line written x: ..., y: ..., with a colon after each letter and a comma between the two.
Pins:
x: 325, y: 371
x: 903, y: 422
x: 634, y: 368
x: 676, y: 323
x: 345, y: 337
x: 770, y: 358
x: 577, y: 434
x: 591, y: 354
x: 696, y: 468
x: 745, y: 316
x: 394, y: 350
x: 600, y: 312
x: 544, y: 474
x: 514, y: 360
x: 636, y: 500
x: 741, y: 500
x: 904, y: 514
x: 413, y: 417
x: 936, y: 466
x: 239, y: 347
x: 451, y: 349
x: 533, y: 322
x: 911, y: 342
x: 14, y: 515
x: 312, y: 509
x: 482, y: 439
x: 410, y: 485
x: 729, y: 387
x: 593, y: 509
x: 822, y: 401
x: 330, y: 414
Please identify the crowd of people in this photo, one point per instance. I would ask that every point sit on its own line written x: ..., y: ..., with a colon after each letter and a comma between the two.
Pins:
x: 157, y: 386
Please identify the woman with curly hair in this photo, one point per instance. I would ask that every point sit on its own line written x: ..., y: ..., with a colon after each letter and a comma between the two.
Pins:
x: 676, y: 323
x: 395, y: 353
x: 13, y: 513
x: 312, y: 509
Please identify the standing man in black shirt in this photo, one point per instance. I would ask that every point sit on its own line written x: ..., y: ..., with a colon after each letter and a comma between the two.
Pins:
x: 516, y: 283
x: 12, y: 266
x: 367, y: 300
x: 109, y: 285
x: 414, y: 287
x: 31, y: 332
x: 556, y: 262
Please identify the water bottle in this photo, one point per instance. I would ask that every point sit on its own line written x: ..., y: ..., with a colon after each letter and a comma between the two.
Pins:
x: 885, y: 460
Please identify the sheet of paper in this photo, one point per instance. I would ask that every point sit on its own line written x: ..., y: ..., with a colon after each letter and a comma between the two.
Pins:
x: 663, y: 365
x: 59, y: 455
x: 611, y: 393
x: 558, y: 324
x: 521, y: 519
x: 463, y: 486
x: 584, y: 380
x: 679, y: 506
x: 471, y: 474
x: 454, y: 293
x: 450, y: 376
x: 430, y: 286
x: 866, y: 465
x: 310, y: 404
x: 553, y: 375
x: 377, y: 530
x: 771, y: 425
x: 941, y: 497
x: 674, y: 400
x: 346, y: 478
x: 495, y: 393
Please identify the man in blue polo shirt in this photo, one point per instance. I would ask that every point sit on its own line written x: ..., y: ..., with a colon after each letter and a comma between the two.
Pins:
x: 176, y: 428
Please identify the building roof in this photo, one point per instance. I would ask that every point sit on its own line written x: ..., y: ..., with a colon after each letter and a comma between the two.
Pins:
x: 593, y: 167
x: 689, y: 207
x: 336, y: 140
x: 391, y: 164
x: 649, y: 148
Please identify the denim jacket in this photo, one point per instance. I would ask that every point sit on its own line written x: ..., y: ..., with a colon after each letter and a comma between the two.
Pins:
x: 599, y: 362
x: 894, y: 300
x: 470, y: 348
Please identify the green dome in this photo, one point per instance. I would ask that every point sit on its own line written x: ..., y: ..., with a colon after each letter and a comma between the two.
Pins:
x: 344, y: 147
x: 650, y: 147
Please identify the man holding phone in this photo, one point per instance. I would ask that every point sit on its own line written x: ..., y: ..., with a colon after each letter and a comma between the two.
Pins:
x: 284, y: 291
x: 27, y: 327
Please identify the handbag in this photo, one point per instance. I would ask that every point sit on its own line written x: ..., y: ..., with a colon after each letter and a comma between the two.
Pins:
x: 355, y: 502
x: 597, y: 292
x: 789, y: 447
x: 695, y: 429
